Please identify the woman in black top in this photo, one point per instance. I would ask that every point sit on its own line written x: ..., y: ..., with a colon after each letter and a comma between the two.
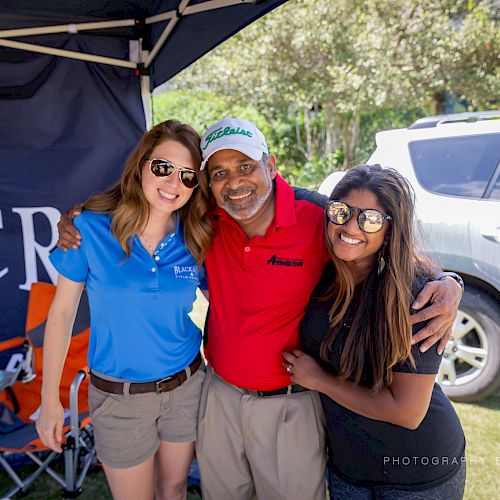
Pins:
x: 392, y: 432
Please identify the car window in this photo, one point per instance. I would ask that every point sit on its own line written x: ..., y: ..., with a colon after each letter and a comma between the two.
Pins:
x: 495, y: 193
x: 459, y: 166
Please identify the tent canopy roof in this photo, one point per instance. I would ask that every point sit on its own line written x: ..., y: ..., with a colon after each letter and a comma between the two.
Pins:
x: 175, y: 33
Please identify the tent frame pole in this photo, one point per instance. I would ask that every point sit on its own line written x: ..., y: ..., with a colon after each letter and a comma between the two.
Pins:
x: 214, y: 4
x: 67, y: 28
x: 166, y: 33
x: 71, y: 54
x: 146, y: 89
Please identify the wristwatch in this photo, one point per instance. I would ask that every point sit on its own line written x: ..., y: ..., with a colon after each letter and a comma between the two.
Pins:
x: 455, y: 276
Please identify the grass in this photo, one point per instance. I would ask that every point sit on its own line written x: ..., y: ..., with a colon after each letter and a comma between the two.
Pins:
x: 95, y: 487
x: 481, y: 423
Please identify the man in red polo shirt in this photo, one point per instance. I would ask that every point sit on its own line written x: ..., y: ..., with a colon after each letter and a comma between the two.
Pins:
x: 259, y: 435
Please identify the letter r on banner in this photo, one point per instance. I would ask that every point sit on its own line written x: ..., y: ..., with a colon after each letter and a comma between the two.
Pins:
x: 32, y: 248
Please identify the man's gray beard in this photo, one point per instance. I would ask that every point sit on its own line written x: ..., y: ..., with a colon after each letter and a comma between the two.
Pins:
x: 248, y: 212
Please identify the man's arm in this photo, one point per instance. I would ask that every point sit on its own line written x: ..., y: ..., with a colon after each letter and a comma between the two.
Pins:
x: 444, y: 296
x: 69, y: 237
x: 311, y: 196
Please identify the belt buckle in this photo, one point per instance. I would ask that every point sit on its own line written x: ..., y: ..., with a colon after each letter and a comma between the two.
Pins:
x: 158, y: 383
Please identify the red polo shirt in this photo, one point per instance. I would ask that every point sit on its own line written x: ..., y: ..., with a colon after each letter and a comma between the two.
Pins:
x: 259, y: 288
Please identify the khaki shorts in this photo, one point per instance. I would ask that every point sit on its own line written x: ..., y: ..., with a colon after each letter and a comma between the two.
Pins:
x: 128, y: 428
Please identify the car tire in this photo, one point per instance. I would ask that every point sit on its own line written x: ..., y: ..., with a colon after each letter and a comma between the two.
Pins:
x: 476, y: 329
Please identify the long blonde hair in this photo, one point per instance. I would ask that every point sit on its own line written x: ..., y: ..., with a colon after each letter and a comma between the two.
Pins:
x: 128, y: 206
x: 380, y: 327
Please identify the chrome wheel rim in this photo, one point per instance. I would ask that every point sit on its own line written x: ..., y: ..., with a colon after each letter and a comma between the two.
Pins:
x: 466, y: 353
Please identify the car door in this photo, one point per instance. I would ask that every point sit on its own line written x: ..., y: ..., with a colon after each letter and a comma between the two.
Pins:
x: 484, y: 233
x: 458, y: 208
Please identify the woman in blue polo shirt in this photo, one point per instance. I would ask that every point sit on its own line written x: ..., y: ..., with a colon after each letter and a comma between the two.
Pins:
x: 140, y: 259
x: 392, y: 433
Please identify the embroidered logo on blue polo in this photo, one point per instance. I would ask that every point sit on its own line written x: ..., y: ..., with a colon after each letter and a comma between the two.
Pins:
x: 285, y: 261
x: 186, y: 272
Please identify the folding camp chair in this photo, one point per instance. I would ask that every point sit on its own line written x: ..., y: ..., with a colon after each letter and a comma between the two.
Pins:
x: 20, y: 399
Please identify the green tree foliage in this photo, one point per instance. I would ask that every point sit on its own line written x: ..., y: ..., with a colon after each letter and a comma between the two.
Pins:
x: 202, y: 109
x: 324, y: 74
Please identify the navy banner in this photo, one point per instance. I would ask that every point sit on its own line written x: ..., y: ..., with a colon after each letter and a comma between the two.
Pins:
x: 66, y: 128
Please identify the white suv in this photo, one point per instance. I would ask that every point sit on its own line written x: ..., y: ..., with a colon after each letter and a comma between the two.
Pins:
x: 453, y: 164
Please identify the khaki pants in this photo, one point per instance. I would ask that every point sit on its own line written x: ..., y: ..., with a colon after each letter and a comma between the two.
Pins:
x: 269, y: 448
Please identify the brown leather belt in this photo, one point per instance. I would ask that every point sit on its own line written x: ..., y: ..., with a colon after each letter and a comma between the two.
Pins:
x: 163, y: 385
x: 291, y: 389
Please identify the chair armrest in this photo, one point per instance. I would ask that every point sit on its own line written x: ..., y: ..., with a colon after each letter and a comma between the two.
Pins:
x: 5, y: 345
x: 73, y: 402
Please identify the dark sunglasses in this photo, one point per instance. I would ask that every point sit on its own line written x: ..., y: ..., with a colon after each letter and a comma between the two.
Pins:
x: 370, y: 220
x: 165, y: 168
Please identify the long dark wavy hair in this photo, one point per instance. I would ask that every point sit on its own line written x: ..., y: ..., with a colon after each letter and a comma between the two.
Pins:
x: 380, y: 328
x: 128, y: 206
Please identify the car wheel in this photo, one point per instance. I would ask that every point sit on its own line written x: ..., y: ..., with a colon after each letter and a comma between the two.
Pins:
x: 470, y: 368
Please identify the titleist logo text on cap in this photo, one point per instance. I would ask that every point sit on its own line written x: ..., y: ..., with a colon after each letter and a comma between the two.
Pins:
x: 218, y: 133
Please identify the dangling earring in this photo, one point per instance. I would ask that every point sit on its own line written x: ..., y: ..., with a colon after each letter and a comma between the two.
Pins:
x: 381, y: 260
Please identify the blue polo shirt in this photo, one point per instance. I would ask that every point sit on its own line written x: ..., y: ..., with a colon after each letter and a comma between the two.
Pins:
x: 140, y: 329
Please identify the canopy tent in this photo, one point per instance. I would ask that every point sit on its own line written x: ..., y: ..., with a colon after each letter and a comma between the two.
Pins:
x: 75, y: 79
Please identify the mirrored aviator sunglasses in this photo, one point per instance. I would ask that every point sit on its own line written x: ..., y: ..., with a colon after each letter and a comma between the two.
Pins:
x: 370, y: 220
x: 165, y: 168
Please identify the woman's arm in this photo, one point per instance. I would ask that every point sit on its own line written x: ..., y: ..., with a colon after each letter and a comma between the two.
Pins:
x: 405, y: 403
x: 55, y: 347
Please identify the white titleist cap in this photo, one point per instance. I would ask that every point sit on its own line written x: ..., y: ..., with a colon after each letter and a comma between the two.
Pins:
x: 233, y: 133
